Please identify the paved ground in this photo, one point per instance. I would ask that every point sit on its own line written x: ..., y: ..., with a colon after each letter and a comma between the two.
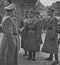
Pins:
x: 39, y: 57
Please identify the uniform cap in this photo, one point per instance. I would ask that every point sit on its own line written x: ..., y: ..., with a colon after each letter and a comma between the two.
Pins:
x: 10, y: 7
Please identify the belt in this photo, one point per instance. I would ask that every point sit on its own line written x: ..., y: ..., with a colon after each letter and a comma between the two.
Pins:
x: 6, y: 33
x: 31, y: 29
x: 50, y: 28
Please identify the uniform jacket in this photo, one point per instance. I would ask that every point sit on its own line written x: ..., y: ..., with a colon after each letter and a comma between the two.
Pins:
x: 8, y: 45
x: 31, y: 36
x: 50, y: 43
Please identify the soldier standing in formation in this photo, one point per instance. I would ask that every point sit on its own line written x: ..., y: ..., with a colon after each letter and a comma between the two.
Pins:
x: 51, y: 44
x: 8, y: 54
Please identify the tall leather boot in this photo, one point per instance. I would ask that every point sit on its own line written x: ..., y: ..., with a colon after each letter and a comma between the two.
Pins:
x: 30, y: 55
x: 25, y: 53
x: 56, y: 60
x: 34, y: 54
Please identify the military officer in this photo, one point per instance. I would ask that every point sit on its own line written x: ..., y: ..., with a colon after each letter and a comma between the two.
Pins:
x: 8, y: 54
x: 51, y: 44
x: 33, y: 38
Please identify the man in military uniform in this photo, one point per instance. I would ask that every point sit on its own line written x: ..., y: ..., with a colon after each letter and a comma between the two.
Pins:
x: 33, y: 37
x: 51, y: 44
x: 8, y: 54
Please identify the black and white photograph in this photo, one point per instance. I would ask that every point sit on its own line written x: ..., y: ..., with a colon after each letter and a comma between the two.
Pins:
x: 29, y: 32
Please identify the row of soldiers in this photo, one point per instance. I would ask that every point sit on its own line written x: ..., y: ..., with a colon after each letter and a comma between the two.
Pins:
x: 30, y: 31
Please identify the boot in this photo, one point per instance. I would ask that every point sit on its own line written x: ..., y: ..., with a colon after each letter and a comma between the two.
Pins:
x: 25, y: 53
x: 30, y: 56
x: 56, y: 60
x: 50, y: 57
x: 34, y: 54
x: 56, y: 57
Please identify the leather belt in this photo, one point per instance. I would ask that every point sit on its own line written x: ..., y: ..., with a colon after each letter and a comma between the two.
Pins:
x: 50, y: 28
x: 31, y: 29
